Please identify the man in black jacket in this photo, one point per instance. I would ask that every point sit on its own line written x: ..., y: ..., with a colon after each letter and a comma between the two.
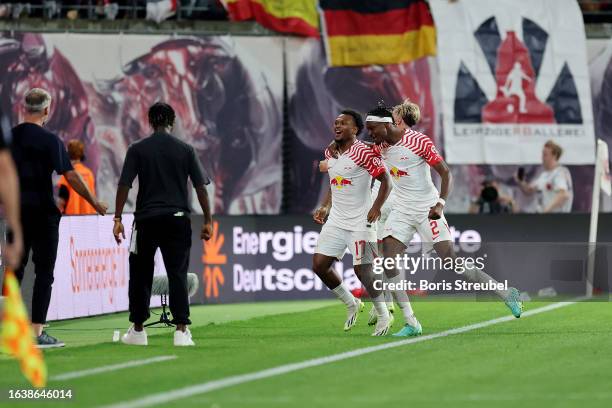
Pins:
x: 163, y: 164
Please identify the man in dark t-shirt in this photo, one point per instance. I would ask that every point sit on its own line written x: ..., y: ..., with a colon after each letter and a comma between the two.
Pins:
x: 163, y: 165
x: 37, y: 154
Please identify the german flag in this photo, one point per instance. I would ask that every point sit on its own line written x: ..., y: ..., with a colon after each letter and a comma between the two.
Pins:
x: 285, y: 16
x: 365, y: 32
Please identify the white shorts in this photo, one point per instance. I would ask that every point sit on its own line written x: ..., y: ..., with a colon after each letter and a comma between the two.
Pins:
x: 333, y: 242
x: 402, y: 227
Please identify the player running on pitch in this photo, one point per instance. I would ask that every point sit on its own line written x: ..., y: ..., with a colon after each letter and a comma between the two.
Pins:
x: 352, y: 218
x: 418, y: 207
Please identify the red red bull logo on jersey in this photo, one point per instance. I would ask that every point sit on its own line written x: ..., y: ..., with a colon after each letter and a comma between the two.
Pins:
x: 397, y: 173
x: 340, y: 182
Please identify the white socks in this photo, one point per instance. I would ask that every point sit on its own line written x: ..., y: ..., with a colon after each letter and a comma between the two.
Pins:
x: 345, y: 295
x: 381, y: 307
x: 401, y: 297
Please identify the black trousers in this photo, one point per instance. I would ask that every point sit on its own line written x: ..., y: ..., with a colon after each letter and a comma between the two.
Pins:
x: 41, y: 236
x: 172, y: 235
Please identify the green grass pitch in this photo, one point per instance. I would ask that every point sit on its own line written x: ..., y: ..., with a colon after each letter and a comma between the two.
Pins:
x: 560, y: 358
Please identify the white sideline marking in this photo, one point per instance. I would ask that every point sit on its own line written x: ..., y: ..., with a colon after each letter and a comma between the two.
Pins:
x: 114, y: 367
x: 164, y: 397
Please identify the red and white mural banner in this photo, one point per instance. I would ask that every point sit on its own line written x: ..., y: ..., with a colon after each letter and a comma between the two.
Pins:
x: 513, y: 75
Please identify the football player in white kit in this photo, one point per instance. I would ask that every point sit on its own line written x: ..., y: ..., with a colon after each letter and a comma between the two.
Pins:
x: 349, y: 218
x: 417, y: 206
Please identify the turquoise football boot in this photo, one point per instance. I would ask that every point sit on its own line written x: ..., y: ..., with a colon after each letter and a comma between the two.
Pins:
x: 514, y: 303
x: 410, y: 331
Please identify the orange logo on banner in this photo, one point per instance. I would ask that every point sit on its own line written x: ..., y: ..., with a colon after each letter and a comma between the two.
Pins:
x: 213, y: 258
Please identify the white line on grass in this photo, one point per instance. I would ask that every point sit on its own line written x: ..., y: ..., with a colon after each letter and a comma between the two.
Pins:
x: 114, y: 367
x: 172, y: 396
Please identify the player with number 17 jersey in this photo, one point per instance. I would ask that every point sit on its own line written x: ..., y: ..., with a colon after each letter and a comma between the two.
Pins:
x: 352, y: 218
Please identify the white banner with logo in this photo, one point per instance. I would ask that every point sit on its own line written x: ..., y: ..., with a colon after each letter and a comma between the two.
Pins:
x: 513, y: 75
x: 91, y: 270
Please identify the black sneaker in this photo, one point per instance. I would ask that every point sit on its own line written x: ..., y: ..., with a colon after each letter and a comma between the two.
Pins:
x: 46, y: 341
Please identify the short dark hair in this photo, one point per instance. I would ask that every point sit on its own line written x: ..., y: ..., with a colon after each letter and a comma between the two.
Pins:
x: 356, y: 118
x: 161, y: 115
x: 381, y: 111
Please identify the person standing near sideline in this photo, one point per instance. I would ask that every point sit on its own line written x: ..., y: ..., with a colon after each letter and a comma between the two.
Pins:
x: 71, y: 203
x: 163, y: 165
x: 37, y: 154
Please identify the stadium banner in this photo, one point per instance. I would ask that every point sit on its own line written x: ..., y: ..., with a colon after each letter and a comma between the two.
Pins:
x: 270, y: 258
x: 260, y: 258
x: 91, y: 270
x: 101, y: 95
x: 317, y: 93
x: 513, y: 75
x: 264, y: 258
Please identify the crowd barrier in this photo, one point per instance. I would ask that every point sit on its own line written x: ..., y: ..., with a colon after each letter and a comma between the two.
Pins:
x: 262, y: 258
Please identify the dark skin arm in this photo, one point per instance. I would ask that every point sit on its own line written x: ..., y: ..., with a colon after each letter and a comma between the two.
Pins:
x: 203, y: 199
x: 321, y: 213
x: 442, y: 169
x: 383, y: 193
x: 120, y: 199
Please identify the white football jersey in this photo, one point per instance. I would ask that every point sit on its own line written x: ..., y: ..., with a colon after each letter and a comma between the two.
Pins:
x: 549, y: 183
x: 350, y: 178
x: 409, y: 162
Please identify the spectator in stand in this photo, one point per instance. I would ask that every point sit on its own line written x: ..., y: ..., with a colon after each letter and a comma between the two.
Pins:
x: 553, y: 185
x: 70, y: 203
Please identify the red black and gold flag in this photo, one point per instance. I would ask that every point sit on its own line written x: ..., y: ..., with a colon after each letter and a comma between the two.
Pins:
x: 365, y: 32
x: 285, y: 16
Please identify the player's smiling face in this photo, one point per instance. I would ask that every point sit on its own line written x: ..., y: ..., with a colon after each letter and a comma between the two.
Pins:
x: 377, y: 131
x: 344, y: 128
